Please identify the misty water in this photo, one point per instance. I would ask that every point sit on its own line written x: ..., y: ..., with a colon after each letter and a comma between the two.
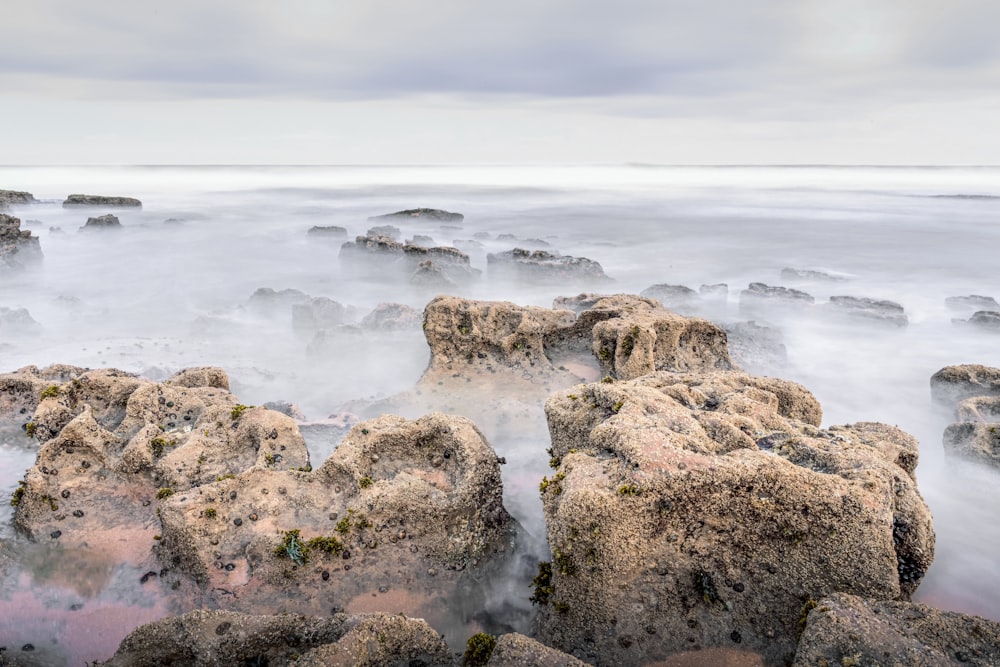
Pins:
x: 172, y: 289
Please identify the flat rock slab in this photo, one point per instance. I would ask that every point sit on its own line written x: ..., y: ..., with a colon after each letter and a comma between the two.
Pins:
x: 73, y: 201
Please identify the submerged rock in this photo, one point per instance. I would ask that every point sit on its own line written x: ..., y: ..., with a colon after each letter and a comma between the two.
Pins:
x: 434, y: 214
x: 18, y: 248
x: 514, y: 649
x: 673, y: 297
x: 711, y: 508
x: 389, y: 231
x: 101, y: 200
x: 953, y: 384
x: 206, y: 638
x: 874, y: 310
x: 809, y: 275
x: 107, y: 221
x: 391, y: 317
x: 845, y: 629
x: 542, y: 266
x: 332, y: 231
x: 380, y: 253
x: 972, y: 302
x: 10, y: 198
x: 757, y: 293
x: 756, y: 347
x: 17, y: 322
x: 974, y: 441
x: 986, y: 319
x: 270, y: 301
x: 319, y: 313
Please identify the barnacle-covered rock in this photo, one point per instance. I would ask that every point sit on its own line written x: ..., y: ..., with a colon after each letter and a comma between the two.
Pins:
x: 953, y: 384
x: 711, y: 508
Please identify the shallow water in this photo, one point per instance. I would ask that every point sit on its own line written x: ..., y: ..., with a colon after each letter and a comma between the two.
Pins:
x: 154, y: 297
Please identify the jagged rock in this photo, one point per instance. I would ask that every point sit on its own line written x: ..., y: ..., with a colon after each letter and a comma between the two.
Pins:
x: 845, y: 629
x: 953, y: 384
x: 408, y: 510
x: 21, y: 391
x: 18, y: 248
x: 979, y: 409
x: 974, y: 441
x: 319, y: 313
x: 428, y: 274
x: 809, y: 275
x: 986, y: 319
x: 286, y: 408
x: 972, y: 302
x: 873, y: 310
x: 434, y: 214
x: 452, y: 262
x: 673, y: 297
x: 17, y: 322
x: 388, y: 231
x: 381, y: 252
x: 204, y: 638
x: 10, y: 198
x: 755, y: 347
x: 101, y: 200
x: 516, y: 650
x: 757, y: 293
x: 391, y: 317
x: 710, y: 507
x: 371, y: 248
x: 106, y: 221
x: 327, y: 231
x: 542, y: 266
x: 112, y: 443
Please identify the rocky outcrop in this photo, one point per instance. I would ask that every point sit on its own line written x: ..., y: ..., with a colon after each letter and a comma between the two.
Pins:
x: 809, y: 275
x: 534, y: 266
x: 378, y: 252
x: 106, y: 221
x: 17, y: 322
x: 389, y: 231
x: 101, y: 200
x: 759, y: 293
x: 268, y: 301
x: 516, y: 650
x: 432, y: 214
x: 10, y: 198
x: 953, y: 384
x: 707, y: 509
x: 985, y: 319
x: 18, y: 248
x: 879, y: 311
x: 673, y: 297
x: 974, y: 441
x: 327, y: 231
x: 319, y: 313
x: 755, y: 347
x: 848, y: 630
x: 979, y: 409
x: 391, y: 317
x: 205, y: 638
x: 972, y: 302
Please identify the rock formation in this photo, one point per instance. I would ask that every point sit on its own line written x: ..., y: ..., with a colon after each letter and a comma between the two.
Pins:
x: 535, y: 266
x: 755, y: 347
x: 379, y: 253
x: 759, y: 293
x: 953, y: 384
x: 433, y: 214
x: 879, y: 311
x: 331, y: 231
x: 17, y: 322
x: 391, y: 317
x: 107, y: 221
x: 10, y: 198
x: 18, y: 248
x: 809, y: 275
x: 985, y: 319
x: 972, y: 302
x: 389, y: 231
x: 101, y: 200
x: 848, y: 630
x: 673, y: 297
x: 707, y: 509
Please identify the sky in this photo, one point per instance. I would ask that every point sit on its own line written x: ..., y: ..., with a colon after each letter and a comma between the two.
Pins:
x: 518, y: 81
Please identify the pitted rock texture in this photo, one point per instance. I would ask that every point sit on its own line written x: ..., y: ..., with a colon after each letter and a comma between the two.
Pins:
x: 101, y: 200
x: 535, y: 266
x: 221, y: 638
x: 18, y: 248
x: 848, y: 630
x: 953, y: 384
x: 404, y: 516
x: 711, y: 508
x: 15, y: 198
x: 114, y: 446
x: 516, y: 650
x: 974, y: 441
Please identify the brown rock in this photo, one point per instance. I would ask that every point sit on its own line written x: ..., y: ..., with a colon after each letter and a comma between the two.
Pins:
x: 516, y: 650
x: 18, y: 248
x: 534, y: 266
x: 974, y: 441
x: 953, y: 384
x: 101, y: 200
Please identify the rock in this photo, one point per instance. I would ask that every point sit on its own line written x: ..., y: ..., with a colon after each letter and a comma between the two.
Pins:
x: 269, y: 301
x: 673, y: 297
x: 467, y: 245
x: 10, y: 198
x: 953, y: 384
x: 391, y: 317
x: 516, y: 650
x: 18, y: 248
x: 107, y: 221
x: 755, y: 347
x: 482, y: 236
x: 718, y: 291
x: 21, y: 391
x: 979, y: 409
x: 327, y: 231
x: 710, y: 507
x: 757, y: 293
x: 874, y: 310
x: 286, y: 408
x: 844, y: 629
x: 17, y: 322
x: 428, y: 274
x: 986, y: 319
x: 809, y: 275
x: 433, y: 214
x: 452, y: 262
x: 377, y: 250
x: 409, y: 508
x: 542, y: 266
x: 972, y: 302
x: 388, y: 231
x: 204, y: 638
x: 200, y: 376
x: 101, y: 200
x: 381, y: 253
x: 319, y: 313
x: 421, y: 241
x: 974, y: 441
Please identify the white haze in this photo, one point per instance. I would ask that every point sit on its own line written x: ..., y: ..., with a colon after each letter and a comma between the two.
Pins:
x: 165, y: 296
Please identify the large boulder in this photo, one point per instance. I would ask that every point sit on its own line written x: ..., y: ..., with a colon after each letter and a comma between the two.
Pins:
x: 380, y: 253
x: 758, y: 294
x: 10, y: 198
x: 215, y: 638
x: 106, y: 221
x: 432, y: 214
x: 534, y: 266
x: 985, y: 319
x: 974, y: 441
x: 73, y: 201
x: 848, y: 630
x: 705, y: 510
x: 18, y: 248
x: 953, y: 384
x: 516, y: 650
x: 879, y: 311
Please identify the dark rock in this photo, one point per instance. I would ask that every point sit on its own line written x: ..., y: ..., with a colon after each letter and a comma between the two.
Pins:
x: 710, y: 504
x: 18, y: 248
x: 106, y: 221
x: 101, y: 200
x: 974, y: 441
x: 329, y: 230
x: 953, y: 384
x: 986, y: 319
x: 843, y: 629
x: 10, y: 198
x: 872, y: 310
x: 809, y: 275
x: 542, y: 266
x: 972, y: 302
x: 388, y: 231
x: 759, y: 292
x: 433, y: 214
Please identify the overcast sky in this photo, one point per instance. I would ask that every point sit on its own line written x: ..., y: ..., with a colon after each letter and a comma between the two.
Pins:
x: 398, y: 81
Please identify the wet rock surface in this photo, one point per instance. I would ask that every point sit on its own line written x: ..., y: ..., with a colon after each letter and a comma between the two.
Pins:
x: 101, y: 200
x: 756, y: 347
x: 535, y: 266
x: 972, y: 302
x: 974, y: 441
x: 18, y: 248
x: 214, y: 638
x: 985, y: 319
x: 391, y: 317
x: 381, y: 252
x: 705, y: 510
x: 848, y: 630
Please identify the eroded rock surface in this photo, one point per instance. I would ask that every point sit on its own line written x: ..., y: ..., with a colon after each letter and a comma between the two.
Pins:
x: 758, y: 293
x: 327, y: 231
x: 673, y: 297
x: 542, y: 266
x: 974, y: 441
x: 101, y: 200
x: 433, y: 214
x: 953, y: 384
x: 848, y: 630
x: 18, y: 248
x: 106, y: 221
x: 705, y: 510
x: 218, y: 638
x: 15, y: 198
x: 879, y: 311
x: 516, y: 650
x: 380, y: 252
x: 985, y: 319
x: 391, y: 317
